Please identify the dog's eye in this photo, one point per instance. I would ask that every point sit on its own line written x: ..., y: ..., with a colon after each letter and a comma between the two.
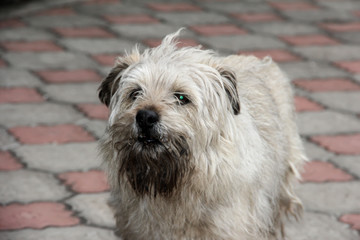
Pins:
x: 135, y: 94
x: 182, y: 98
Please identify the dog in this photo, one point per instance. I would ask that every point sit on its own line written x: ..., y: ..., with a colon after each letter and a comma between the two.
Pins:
x: 199, y: 146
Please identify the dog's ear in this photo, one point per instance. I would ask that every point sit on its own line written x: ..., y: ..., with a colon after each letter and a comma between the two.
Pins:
x: 110, y: 84
x: 230, y: 85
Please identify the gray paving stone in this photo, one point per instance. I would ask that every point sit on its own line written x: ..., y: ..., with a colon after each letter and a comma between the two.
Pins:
x: 329, y: 53
x: 139, y: 31
x: 351, y: 37
x: 350, y: 163
x: 182, y: 19
x: 319, y: 226
x: 347, y: 101
x: 311, y: 69
x: 61, y: 21
x: 16, y: 77
x: 94, y: 208
x: 283, y: 28
x: 65, y: 233
x: 341, y: 5
x: 110, y: 9
x: 28, y: 34
x: 96, y: 127
x: 26, y: 186
x: 319, y: 15
x: 315, y: 152
x: 37, y: 114
x: 60, y: 158
x: 237, y: 7
x: 7, y: 141
x: 55, y: 60
x: 97, y: 46
x: 242, y: 42
x: 327, y: 122
x: 73, y: 93
x: 336, y: 197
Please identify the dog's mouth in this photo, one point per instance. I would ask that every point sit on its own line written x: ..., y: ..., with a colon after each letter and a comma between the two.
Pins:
x: 148, y: 140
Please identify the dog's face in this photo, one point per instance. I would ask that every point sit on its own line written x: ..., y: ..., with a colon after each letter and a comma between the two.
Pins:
x: 168, y: 107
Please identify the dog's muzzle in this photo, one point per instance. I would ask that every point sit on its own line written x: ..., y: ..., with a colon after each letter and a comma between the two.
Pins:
x: 146, y: 121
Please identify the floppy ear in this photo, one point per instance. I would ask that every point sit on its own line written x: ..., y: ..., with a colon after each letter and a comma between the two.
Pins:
x: 110, y: 84
x: 230, y: 85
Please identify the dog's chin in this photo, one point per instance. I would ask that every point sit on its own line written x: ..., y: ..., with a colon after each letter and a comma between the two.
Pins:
x: 153, y: 167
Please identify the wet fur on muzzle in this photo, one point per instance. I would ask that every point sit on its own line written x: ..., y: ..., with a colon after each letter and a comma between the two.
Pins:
x: 151, y: 168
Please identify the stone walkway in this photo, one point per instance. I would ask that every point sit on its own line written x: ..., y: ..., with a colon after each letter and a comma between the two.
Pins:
x: 52, y: 60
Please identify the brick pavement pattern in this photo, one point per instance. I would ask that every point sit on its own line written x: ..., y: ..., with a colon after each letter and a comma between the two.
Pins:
x: 53, y: 56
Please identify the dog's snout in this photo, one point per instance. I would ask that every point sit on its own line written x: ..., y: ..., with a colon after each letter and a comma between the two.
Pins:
x: 146, y: 118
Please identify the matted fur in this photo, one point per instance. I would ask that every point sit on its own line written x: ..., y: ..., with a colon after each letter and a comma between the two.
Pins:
x: 222, y: 166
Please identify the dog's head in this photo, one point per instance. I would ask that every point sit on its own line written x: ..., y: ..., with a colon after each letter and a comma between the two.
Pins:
x: 168, y: 108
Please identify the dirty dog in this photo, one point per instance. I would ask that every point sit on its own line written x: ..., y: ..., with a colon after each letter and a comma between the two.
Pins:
x: 199, y: 146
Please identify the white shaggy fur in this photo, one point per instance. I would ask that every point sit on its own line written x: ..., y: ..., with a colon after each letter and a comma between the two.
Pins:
x: 244, y: 165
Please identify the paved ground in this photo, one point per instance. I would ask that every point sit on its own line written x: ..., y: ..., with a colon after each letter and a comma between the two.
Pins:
x: 52, y: 58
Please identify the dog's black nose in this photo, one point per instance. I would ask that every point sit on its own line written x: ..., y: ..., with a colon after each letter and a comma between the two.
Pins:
x: 146, y: 118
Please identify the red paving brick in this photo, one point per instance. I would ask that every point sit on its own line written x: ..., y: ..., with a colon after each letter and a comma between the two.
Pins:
x: 317, y: 171
x: 8, y: 162
x: 172, y: 7
x: 303, y: 104
x: 256, y: 17
x: 181, y: 43
x: 86, y: 182
x: 352, y: 219
x: 19, y: 95
x: 127, y: 19
x: 51, y: 134
x: 11, y: 23
x: 341, y: 144
x: 220, y: 29
x: 2, y: 63
x: 341, y: 27
x: 278, y: 55
x: 35, y: 215
x: 106, y: 59
x: 306, y: 40
x: 351, y: 66
x: 68, y: 76
x: 293, y: 6
x: 323, y: 85
x: 35, y: 46
x: 57, y: 12
x: 97, y: 111
x: 84, y: 32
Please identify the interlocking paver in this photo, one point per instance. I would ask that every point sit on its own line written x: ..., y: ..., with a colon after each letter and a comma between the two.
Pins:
x: 316, y: 42
x: 19, y: 95
x: 340, y: 100
x: 320, y: 225
x: 64, y: 233
x: 51, y: 134
x: 321, y: 197
x: 35, y: 215
x: 96, y: 111
x: 324, y: 85
x: 45, y: 113
x: 49, y: 60
x: 311, y: 123
x: 341, y: 144
x: 93, y: 208
x: 61, y: 76
x: 57, y: 159
x: 349, y: 163
x: 70, y: 92
x: 318, y: 171
x: 27, y: 186
x: 8, y: 162
x: 92, y: 181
